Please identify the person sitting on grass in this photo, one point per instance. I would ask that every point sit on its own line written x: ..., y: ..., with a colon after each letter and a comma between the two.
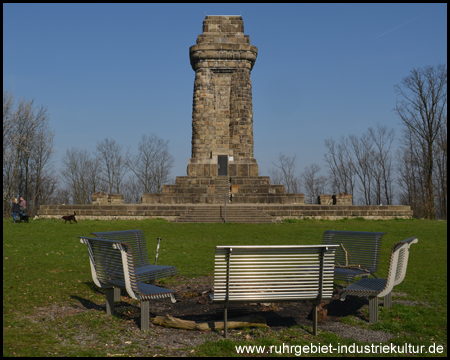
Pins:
x: 15, y: 210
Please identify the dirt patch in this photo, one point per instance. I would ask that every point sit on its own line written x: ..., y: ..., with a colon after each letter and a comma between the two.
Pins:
x: 194, y: 304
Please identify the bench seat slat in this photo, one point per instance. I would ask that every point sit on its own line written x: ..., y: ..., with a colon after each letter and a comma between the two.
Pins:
x: 153, y: 292
x: 268, y: 298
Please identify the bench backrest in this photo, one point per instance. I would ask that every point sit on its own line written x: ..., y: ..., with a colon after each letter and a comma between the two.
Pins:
x: 273, y: 273
x: 113, y: 265
x: 398, y: 261
x: 361, y: 248
x: 134, y: 238
x: 107, y: 263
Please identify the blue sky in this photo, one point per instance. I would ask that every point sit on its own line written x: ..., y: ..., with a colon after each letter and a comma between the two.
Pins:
x: 122, y: 70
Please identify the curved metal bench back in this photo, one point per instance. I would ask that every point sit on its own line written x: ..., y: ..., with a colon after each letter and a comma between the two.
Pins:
x: 273, y: 273
x: 363, y: 249
x: 106, y: 262
x: 398, y: 261
x: 134, y: 238
x: 113, y: 265
x: 377, y: 288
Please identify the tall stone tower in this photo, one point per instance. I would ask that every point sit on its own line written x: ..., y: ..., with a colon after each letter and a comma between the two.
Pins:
x: 222, y: 115
x: 222, y: 165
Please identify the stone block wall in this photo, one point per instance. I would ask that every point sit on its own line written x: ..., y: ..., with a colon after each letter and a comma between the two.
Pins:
x: 100, y: 198
x: 343, y: 199
x: 171, y: 212
x: 325, y: 199
x: 115, y: 199
x: 103, y: 198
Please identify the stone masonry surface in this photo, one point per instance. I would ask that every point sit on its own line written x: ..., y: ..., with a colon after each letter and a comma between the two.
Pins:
x: 222, y: 115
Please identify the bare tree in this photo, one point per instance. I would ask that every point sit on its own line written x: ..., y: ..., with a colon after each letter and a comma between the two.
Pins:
x: 410, y: 175
x: 27, y: 149
x: 80, y: 172
x: 382, y: 166
x: 152, y: 164
x: 60, y: 196
x: 314, y: 185
x: 113, y: 164
x: 133, y: 190
x: 340, y: 166
x: 9, y: 190
x: 362, y: 164
x: 284, y: 173
x: 276, y: 176
x: 422, y: 107
x: 8, y: 122
x: 441, y: 174
x: 44, y: 182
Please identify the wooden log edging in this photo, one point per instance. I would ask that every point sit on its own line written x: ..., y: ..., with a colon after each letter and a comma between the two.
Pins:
x: 246, y: 321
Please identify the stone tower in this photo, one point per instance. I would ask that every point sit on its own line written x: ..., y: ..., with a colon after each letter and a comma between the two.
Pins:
x: 222, y: 115
x: 222, y: 165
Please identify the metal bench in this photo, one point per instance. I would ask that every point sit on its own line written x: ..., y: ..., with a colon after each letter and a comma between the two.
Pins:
x: 358, y: 254
x: 376, y: 288
x: 246, y: 274
x: 146, y: 271
x: 113, y: 267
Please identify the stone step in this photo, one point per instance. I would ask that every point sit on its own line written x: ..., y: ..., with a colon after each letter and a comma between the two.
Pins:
x: 216, y: 214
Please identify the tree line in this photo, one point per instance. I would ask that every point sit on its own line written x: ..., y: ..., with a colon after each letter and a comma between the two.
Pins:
x: 105, y: 170
x: 371, y: 167
x: 27, y: 153
x: 28, y: 167
x: 376, y: 172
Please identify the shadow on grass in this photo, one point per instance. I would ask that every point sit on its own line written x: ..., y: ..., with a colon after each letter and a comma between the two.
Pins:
x: 122, y: 310
x: 350, y: 307
x: 88, y: 304
x: 194, y: 309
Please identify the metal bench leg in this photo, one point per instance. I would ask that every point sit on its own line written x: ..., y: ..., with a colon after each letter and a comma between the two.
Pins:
x: 373, y: 310
x: 109, y: 301
x: 388, y: 301
x: 145, y: 315
x: 116, y: 294
x: 225, y: 321
x: 314, y: 317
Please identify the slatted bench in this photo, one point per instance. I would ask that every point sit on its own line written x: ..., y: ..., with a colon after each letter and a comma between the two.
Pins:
x: 245, y: 274
x: 377, y: 288
x: 113, y: 267
x: 146, y: 271
x: 358, y: 254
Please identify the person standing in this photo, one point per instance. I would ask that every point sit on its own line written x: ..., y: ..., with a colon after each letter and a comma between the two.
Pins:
x: 15, y: 210
x: 23, y: 206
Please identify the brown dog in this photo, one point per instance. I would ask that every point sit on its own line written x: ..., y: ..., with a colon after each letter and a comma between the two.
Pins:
x: 69, y: 218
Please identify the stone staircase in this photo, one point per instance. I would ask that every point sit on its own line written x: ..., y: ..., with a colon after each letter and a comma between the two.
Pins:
x: 216, y: 214
x: 247, y: 214
x: 221, y: 190
x: 201, y: 214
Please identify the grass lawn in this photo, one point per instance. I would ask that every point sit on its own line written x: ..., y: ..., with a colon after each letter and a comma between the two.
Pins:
x: 45, y: 265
